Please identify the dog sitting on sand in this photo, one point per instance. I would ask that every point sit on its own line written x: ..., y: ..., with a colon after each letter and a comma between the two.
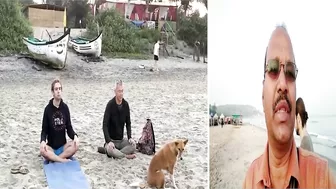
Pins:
x: 165, y: 159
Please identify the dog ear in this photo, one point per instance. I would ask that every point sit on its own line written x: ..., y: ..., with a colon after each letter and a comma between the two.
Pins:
x: 185, y: 142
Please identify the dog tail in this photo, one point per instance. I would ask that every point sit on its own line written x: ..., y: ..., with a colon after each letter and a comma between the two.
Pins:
x: 139, y: 185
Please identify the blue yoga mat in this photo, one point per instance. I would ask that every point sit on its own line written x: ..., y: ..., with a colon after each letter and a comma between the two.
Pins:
x: 65, y: 175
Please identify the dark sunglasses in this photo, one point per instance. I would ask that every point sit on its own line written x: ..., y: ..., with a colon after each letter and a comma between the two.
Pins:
x: 273, y: 69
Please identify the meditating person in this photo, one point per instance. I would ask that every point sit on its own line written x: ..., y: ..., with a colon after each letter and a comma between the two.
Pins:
x: 117, y: 114
x: 301, y: 126
x: 56, y: 120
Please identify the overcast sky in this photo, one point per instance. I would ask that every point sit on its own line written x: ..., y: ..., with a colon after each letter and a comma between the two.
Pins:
x: 236, y: 53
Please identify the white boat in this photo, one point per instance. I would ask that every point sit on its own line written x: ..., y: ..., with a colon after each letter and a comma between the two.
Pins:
x: 52, y: 53
x: 87, y: 46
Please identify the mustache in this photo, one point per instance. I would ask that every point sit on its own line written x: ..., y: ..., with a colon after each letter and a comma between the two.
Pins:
x: 282, y: 96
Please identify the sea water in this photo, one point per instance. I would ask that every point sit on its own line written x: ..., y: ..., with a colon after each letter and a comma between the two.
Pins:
x: 321, y: 128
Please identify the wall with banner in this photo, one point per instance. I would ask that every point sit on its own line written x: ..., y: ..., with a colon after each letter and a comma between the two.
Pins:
x: 138, y: 11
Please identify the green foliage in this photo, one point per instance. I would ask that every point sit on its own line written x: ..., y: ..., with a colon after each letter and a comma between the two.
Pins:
x: 14, y: 26
x: 120, y: 36
x: 193, y: 28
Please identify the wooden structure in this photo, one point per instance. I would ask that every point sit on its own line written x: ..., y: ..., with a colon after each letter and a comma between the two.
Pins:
x: 45, y: 15
x: 237, y: 119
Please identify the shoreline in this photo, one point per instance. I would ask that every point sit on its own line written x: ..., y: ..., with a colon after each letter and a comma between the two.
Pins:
x: 320, y: 148
x: 233, y: 149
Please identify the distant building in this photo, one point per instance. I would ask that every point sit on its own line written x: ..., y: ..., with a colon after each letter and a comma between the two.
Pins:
x: 165, y: 10
x: 45, y: 15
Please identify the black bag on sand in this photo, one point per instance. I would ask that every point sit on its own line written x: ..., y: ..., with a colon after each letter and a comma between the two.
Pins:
x: 146, y: 143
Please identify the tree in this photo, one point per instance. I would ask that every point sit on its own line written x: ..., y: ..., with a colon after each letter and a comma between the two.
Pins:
x: 14, y: 26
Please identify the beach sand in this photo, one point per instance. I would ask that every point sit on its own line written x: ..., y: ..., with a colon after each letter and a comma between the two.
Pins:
x: 175, y: 99
x: 232, y: 150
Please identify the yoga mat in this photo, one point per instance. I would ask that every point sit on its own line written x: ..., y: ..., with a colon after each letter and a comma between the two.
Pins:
x: 65, y: 175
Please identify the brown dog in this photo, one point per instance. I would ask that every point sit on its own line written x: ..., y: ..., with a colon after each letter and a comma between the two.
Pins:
x: 164, y: 159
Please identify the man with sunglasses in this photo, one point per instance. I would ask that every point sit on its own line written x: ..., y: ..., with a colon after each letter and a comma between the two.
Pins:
x: 117, y: 114
x: 283, y: 165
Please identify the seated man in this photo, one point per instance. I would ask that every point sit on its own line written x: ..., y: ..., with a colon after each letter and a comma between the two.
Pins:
x: 56, y: 119
x: 117, y: 114
x: 301, y: 126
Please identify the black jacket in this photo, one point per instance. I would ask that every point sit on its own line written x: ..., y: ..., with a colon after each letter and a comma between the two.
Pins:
x: 55, y: 122
x: 115, y: 120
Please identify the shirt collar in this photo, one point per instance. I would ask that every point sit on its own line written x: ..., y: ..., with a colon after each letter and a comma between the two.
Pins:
x: 263, y: 174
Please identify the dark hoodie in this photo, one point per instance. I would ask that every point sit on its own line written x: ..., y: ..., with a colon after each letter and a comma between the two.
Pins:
x: 55, y: 122
x: 115, y: 118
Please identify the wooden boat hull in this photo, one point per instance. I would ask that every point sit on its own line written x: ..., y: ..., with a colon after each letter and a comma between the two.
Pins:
x: 52, y: 53
x: 88, y: 47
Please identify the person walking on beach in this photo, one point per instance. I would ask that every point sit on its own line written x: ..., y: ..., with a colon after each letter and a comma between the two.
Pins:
x: 301, y: 126
x: 117, y: 114
x: 156, y: 53
x: 56, y: 120
x: 282, y: 164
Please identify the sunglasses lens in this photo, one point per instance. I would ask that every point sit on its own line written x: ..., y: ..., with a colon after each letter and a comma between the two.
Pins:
x: 273, y: 70
x: 273, y: 67
x: 291, y: 71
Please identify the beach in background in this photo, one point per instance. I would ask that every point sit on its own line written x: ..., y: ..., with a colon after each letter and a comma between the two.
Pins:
x: 320, y: 128
x: 175, y: 99
x: 233, y: 149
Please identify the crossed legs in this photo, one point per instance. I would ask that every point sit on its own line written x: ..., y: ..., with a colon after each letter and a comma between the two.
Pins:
x: 122, y: 149
x: 68, y: 151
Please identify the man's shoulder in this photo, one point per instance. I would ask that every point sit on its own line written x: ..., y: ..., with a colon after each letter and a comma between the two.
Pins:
x: 125, y: 101
x: 313, y: 164
x: 252, y: 171
x: 111, y: 101
x: 312, y: 159
x: 255, y: 166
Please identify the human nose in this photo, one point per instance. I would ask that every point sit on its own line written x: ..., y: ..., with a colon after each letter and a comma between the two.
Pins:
x: 282, y: 82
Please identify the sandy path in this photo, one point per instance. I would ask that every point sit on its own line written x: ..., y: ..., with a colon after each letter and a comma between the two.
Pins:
x: 232, y: 150
x: 175, y: 99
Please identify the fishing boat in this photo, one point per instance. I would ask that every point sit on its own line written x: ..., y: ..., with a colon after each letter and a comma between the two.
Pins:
x: 52, y: 53
x: 86, y: 46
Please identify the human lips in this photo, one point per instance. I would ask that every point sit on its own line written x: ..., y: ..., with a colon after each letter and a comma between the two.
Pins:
x: 282, y: 106
x: 281, y: 111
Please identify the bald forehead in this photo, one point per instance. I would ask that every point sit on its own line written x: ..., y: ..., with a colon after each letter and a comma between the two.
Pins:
x: 280, y: 46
